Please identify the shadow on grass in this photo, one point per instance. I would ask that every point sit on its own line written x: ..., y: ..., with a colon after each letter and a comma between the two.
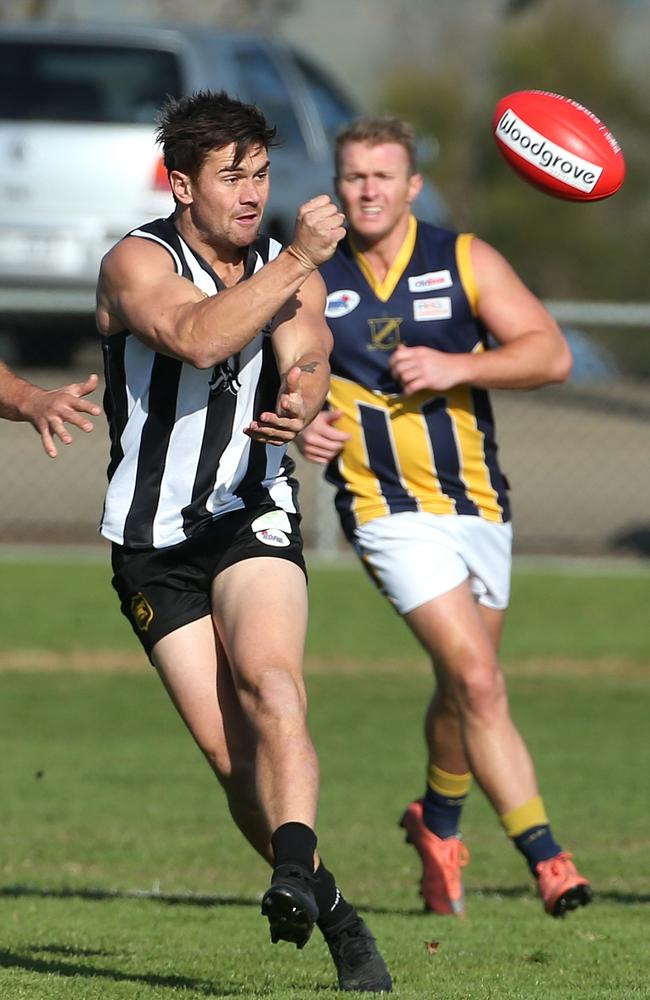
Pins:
x: 108, y: 895
x: 605, y: 896
x: 205, y: 900
x: 25, y: 959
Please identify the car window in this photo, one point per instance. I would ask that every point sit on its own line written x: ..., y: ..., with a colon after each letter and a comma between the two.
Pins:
x: 84, y: 83
x: 266, y: 87
x: 334, y: 109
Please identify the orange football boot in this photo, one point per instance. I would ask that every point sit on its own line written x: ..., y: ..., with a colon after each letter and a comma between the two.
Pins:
x: 441, y: 886
x: 561, y: 885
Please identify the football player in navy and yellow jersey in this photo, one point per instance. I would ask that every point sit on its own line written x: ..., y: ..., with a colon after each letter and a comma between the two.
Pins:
x: 408, y: 439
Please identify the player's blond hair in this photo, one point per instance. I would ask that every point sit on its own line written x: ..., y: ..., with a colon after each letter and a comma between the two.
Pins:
x: 375, y: 131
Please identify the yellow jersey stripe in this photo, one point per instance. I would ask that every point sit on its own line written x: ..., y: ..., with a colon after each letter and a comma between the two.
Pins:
x: 474, y: 470
x: 384, y: 289
x: 466, y: 269
x: 414, y: 452
x: 353, y: 461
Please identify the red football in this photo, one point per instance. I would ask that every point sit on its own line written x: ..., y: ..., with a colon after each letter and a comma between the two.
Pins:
x: 558, y: 146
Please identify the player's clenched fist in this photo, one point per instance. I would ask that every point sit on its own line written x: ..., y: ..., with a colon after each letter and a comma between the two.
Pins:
x: 319, y: 227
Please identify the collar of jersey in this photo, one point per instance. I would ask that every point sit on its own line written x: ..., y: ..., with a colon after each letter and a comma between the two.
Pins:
x: 384, y: 289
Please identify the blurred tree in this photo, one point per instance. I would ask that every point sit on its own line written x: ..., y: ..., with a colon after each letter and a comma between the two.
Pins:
x: 235, y: 13
x: 27, y: 10
x: 562, y: 249
x: 515, y: 6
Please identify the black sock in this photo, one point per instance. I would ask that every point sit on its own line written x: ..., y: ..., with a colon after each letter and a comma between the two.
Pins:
x: 294, y: 844
x: 333, y: 907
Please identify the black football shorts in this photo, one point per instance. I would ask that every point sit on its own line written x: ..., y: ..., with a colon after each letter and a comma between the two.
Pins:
x: 161, y: 590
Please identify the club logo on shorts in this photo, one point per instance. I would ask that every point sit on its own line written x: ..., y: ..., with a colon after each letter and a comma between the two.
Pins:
x: 142, y: 611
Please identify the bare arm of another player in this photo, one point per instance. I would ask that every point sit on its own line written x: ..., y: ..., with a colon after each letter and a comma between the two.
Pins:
x: 532, y: 350
x: 140, y: 290
x: 47, y: 409
x: 302, y: 342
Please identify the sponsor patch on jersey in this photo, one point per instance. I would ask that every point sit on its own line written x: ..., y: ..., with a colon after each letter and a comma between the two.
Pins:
x: 341, y: 303
x: 273, y: 520
x: 428, y: 309
x: 271, y: 536
x: 429, y: 281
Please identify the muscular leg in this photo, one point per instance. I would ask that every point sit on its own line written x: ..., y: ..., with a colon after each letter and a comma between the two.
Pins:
x: 251, y: 727
x: 193, y: 667
x: 265, y: 650
x: 442, y: 727
x: 462, y: 639
x: 260, y: 609
x: 195, y: 671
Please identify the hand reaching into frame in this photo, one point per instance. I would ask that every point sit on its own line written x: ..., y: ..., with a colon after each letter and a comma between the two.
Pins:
x: 49, y: 410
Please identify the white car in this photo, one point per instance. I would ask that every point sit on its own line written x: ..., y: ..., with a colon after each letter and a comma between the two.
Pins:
x: 79, y: 166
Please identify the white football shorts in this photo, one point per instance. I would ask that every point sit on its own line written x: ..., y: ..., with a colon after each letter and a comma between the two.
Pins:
x: 415, y: 557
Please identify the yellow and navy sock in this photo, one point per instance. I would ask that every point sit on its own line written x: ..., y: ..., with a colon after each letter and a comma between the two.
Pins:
x: 443, y: 801
x: 528, y: 828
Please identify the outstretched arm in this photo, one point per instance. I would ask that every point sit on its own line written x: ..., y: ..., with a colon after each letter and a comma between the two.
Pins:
x: 140, y: 290
x: 48, y: 410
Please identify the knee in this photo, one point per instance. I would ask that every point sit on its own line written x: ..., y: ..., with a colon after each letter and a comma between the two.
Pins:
x: 481, y: 691
x: 274, y: 696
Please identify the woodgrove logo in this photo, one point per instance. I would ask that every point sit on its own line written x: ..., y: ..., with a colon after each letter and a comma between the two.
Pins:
x: 546, y: 155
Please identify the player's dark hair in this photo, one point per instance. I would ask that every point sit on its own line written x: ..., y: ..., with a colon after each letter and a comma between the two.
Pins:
x: 190, y: 127
x: 375, y: 131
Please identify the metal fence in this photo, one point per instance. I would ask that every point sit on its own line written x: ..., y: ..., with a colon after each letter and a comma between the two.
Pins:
x: 577, y: 456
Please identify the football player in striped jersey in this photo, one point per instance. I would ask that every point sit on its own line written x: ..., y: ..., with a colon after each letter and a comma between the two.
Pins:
x: 216, y: 355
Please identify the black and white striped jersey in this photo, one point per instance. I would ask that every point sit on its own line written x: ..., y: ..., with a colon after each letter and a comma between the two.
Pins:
x: 179, y: 456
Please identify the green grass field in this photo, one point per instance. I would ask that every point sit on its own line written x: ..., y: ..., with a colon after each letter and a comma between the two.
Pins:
x: 123, y: 876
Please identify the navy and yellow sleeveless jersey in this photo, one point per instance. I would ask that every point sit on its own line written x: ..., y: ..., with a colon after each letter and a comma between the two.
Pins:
x: 433, y: 452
